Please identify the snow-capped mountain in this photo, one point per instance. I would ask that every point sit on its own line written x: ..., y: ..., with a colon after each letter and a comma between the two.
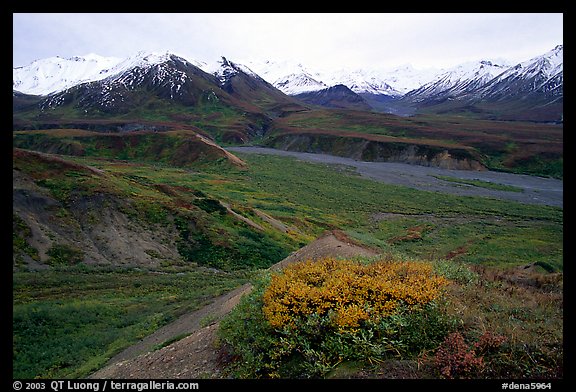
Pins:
x: 361, y: 81
x: 54, y: 74
x: 458, y: 80
x: 167, y: 74
x: 539, y: 75
x: 244, y: 84
x: 293, y: 78
x: 224, y: 69
x: 295, y: 84
x: 165, y: 85
x: 404, y: 90
x: 290, y: 77
x: 407, y: 78
x: 530, y: 90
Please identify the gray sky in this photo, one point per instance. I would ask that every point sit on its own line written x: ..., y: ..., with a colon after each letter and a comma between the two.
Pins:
x: 315, y: 39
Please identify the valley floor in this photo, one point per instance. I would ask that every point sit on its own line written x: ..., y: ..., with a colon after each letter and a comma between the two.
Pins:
x: 534, y: 190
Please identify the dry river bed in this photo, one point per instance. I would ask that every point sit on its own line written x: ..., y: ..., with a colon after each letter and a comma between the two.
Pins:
x: 535, y: 190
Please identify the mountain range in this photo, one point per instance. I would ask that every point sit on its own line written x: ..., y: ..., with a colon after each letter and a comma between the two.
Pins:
x: 530, y: 90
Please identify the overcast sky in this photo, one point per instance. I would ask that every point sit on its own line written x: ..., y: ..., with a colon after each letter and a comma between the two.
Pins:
x: 319, y: 40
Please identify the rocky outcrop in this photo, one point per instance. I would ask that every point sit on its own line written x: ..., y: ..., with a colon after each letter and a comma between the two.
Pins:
x: 96, y: 229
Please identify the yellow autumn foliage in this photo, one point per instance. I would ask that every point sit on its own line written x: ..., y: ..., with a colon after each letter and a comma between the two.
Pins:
x: 348, y: 291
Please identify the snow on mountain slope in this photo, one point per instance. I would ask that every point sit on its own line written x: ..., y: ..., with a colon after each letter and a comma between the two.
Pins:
x: 458, y: 80
x: 148, y: 59
x: 407, y: 78
x: 540, y: 74
x: 290, y: 77
x: 132, y: 72
x: 224, y: 69
x: 295, y: 84
x: 164, y: 75
x: 361, y: 81
x: 55, y: 74
x: 487, y: 78
x: 271, y: 70
x: 293, y: 78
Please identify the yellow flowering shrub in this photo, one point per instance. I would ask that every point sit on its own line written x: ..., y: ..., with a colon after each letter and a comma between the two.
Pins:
x: 348, y: 292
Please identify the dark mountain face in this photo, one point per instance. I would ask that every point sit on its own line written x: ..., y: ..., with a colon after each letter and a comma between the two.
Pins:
x: 249, y: 88
x: 233, y: 105
x: 175, y: 80
x: 338, y: 96
x: 512, y: 98
x: 22, y: 101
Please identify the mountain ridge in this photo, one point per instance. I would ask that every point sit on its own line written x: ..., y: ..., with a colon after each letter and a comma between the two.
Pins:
x: 358, y: 80
x: 531, y: 90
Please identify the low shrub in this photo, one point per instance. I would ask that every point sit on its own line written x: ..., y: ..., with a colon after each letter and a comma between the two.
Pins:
x: 62, y: 254
x: 317, y: 314
x: 457, y: 359
x: 348, y: 293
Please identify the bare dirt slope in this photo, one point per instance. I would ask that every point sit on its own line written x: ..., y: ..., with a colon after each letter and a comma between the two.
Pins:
x: 197, y: 355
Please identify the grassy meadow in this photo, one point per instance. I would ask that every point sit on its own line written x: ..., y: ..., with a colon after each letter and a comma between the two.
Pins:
x: 68, y: 322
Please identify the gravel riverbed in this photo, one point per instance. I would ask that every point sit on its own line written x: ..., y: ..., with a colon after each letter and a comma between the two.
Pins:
x: 535, y: 190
